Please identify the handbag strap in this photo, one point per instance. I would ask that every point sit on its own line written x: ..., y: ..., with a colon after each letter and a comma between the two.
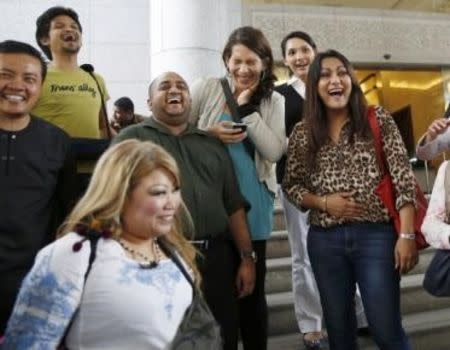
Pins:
x: 376, y: 132
x: 233, y: 107
x: 170, y: 252
x: 88, y: 68
x: 231, y: 102
x: 93, y: 237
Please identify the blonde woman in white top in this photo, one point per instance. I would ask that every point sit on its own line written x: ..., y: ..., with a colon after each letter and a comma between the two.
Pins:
x: 132, y: 295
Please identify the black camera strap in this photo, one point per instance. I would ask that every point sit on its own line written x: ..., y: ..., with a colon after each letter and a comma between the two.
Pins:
x: 88, y: 68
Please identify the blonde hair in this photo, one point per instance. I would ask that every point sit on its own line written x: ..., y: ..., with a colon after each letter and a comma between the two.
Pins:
x: 116, y: 174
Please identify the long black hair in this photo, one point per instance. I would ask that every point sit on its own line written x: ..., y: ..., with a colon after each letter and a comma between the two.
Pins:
x: 315, y: 113
x: 254, y: 40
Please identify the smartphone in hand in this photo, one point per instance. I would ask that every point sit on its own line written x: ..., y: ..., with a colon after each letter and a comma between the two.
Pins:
x: 241, y: 126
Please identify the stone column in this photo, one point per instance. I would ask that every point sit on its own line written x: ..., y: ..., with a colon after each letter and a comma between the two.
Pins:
x: 187, y: 36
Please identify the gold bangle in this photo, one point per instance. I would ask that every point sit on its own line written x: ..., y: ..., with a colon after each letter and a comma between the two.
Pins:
x: 324, y: 201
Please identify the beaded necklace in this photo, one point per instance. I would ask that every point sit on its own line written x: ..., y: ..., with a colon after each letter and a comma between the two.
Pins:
x: 144, y: 261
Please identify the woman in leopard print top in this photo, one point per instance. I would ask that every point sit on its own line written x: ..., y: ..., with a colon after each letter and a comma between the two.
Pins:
x: 332, y: 169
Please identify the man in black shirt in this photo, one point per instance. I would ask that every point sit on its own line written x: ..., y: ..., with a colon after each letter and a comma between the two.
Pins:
x: 211, y: 193
x: 36, y: 171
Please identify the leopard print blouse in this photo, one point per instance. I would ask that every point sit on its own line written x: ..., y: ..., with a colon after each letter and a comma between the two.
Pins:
x: 346, y: 167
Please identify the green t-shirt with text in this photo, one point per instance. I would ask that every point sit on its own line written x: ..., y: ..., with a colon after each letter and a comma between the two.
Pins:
x: 71, y: 101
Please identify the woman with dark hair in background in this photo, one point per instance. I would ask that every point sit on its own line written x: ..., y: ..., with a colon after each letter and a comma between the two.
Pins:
x: 351, y: 239
x: 250, y: 123
x: 298, y: 50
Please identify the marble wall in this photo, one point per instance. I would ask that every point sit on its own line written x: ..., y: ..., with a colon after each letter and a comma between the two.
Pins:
x: 364, y: 35
x: 124, y: 42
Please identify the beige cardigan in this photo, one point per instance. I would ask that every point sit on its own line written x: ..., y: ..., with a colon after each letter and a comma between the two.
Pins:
x: 265, y: 128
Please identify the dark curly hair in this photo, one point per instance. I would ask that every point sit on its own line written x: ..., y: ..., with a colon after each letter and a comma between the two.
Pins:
x: 44, y: 21
x: 125, y: 103
x: 254, y: 40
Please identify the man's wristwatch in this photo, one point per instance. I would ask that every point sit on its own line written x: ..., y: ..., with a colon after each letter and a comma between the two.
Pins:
x: 248, y: 254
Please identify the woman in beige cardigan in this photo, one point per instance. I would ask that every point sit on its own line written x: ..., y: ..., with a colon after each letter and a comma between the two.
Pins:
x: 255, y: 138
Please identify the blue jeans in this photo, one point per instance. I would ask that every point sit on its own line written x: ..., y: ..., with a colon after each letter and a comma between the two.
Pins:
x: 362, y: 253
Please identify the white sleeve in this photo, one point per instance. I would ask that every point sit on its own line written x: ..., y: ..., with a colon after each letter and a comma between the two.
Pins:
x: 430, y: 150
x: 49, y: 296
x: 434, y: 228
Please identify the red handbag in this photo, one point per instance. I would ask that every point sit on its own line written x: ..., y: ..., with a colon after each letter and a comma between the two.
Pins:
x: 385, y: 190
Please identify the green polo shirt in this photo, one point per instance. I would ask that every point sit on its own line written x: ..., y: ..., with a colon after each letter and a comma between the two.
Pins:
x: 208, y: 182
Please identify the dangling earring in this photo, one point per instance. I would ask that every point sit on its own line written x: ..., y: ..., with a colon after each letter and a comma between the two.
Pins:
x: 117, y: 221
x: 262, y: 76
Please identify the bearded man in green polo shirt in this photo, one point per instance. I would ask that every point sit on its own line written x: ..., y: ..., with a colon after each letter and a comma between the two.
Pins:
x: 211, y: 193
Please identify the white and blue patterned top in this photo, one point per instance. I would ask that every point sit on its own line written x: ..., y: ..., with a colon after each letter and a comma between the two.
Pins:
x: 122, y: 306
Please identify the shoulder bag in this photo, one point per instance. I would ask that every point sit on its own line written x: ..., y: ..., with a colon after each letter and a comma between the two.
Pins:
x: 385, y: 189
x: 198, y: 330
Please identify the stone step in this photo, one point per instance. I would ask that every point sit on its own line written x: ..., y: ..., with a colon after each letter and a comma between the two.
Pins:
x: 278, y: 275
x: 414, y: 299
x: 278, y: 245
x: 279, y: 270
x: 426, y: 318
x: 278, y: 218
x: 429, y: 330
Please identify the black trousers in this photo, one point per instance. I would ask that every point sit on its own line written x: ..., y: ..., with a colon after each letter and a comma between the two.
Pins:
x: 82, y: 183
x: 218, y: 269
x: 253, y: 319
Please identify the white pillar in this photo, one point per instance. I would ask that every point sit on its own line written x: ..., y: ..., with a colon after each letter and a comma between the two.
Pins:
x: 187, y: 36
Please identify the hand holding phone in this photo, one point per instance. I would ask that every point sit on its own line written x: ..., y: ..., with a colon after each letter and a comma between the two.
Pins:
x: 241, y: 126
x: 225, y: 131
